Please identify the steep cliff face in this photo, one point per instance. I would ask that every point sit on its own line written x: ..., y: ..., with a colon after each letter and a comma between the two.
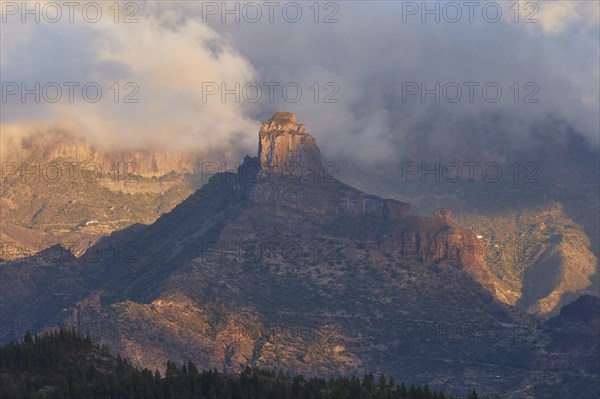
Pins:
x: 285, y: 147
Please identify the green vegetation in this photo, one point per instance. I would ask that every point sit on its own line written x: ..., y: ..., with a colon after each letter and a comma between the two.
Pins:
x: 61, y: 364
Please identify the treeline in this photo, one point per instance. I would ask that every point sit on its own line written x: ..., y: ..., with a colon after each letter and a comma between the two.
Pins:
x: 61, y: 364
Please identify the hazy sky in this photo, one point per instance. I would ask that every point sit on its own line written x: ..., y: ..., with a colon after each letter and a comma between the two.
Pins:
x: 369, y: 60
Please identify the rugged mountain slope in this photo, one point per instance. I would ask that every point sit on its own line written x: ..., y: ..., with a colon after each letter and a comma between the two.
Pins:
x: 539, y: 226
x: 539, y: 222
x: 281, y: 265
x: 59, y: 188
x: 541, y: 256
x: 573, y: 345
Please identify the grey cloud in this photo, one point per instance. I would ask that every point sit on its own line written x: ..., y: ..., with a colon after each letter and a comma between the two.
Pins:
x: 368, y: 55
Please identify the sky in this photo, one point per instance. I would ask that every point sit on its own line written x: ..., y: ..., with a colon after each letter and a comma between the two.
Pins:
x: 373, y: 81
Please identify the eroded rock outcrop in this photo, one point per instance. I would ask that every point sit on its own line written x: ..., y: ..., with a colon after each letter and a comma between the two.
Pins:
x: 288, y: 172
x: 285, y: 147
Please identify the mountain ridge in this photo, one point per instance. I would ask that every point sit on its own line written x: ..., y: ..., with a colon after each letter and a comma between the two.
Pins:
x: 274, y: 267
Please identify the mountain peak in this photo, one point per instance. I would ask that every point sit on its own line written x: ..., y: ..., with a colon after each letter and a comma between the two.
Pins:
x: 284, y: 117
x: 286, y: 147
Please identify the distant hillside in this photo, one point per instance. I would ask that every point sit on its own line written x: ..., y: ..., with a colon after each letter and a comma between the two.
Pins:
x: 58, y: 188
x: 539, y: 221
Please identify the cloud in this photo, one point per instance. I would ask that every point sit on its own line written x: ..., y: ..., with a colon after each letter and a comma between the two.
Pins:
x: 165, y: 67
x: 556, y: 17
x: 369, y: 56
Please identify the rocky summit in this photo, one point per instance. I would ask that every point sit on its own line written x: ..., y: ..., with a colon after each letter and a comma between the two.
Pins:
x: 286, y: 148
x: 275, y: 267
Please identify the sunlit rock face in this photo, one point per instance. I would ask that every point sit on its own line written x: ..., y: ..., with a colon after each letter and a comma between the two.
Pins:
x: 286, y: 148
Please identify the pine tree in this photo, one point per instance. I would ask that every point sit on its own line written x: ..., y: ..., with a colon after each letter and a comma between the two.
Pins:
x: 28, y: 338
x: 472, y: 395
